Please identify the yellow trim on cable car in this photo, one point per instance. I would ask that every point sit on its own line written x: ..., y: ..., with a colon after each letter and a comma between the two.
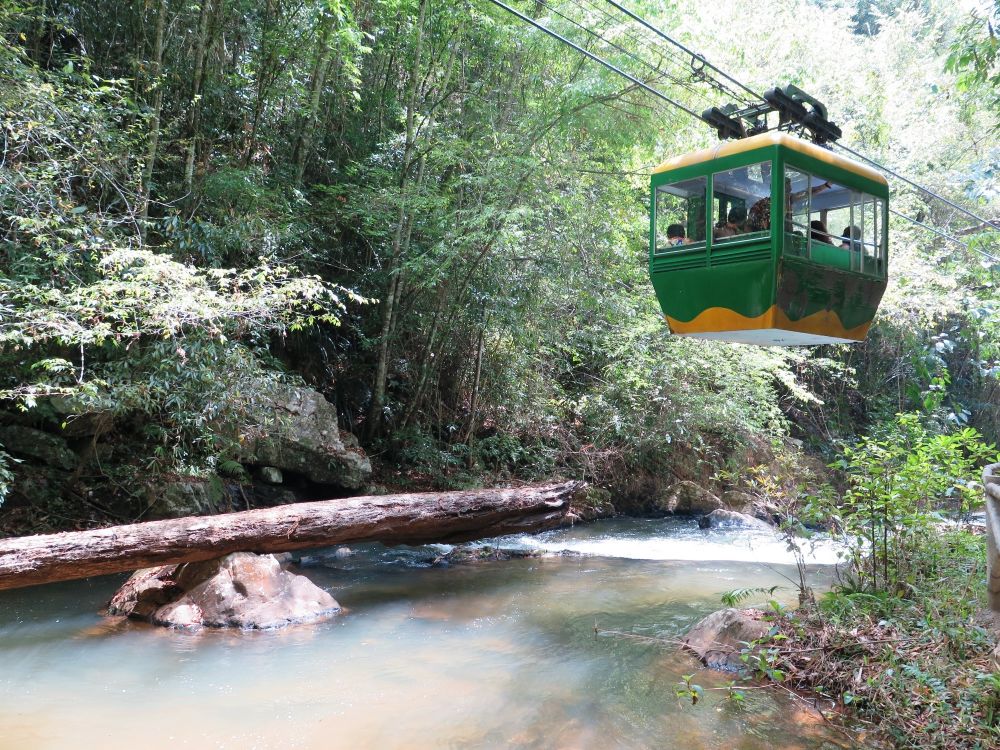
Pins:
x: 775, y: 138
x: 716, y: 319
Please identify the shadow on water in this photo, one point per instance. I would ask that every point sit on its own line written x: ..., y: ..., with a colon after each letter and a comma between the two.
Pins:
x: 485, y: 655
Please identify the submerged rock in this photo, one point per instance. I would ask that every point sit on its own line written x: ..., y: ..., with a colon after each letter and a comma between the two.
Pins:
x: 306, y: 440
x: 723, y: 518
x: 481, y: 553
x: 687, y: 498
x: 240, y: 590
x: 719, y: 639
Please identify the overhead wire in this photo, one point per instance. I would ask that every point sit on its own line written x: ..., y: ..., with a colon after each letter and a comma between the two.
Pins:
x: 943, y: 234
x: 645, y: 63
x: 597, y: 58
x: 684, y: 77
x: 992, y: 224
x: 694, y: 55
x: 706, y: 64
x: 643, y: 39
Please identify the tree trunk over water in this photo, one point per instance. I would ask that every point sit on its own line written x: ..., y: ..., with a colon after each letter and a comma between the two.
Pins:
x: 391, y: 519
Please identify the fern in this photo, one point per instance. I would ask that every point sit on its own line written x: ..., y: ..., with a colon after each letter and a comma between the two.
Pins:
x: 736, y: 596
x: 231, y: 468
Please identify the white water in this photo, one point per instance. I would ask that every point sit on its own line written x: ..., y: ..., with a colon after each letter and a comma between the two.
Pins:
x: 669, y: 539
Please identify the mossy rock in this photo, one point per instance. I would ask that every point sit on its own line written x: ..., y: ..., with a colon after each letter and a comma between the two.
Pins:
x: 27, y: 442
x: 307, y: 441
x: 186, y: 496
x: 687, y: 499
x: 592, y: 503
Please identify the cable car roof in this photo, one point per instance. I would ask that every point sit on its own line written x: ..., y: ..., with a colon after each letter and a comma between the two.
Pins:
x: 774, y: 138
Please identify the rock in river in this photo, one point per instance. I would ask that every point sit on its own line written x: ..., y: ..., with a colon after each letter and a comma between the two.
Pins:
x: 240, y: 590
x: 722, y: 518
x: 687, y: 498
x: 719, y: 638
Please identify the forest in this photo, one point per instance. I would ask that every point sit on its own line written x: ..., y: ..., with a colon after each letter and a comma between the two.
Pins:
x: 438, y: 219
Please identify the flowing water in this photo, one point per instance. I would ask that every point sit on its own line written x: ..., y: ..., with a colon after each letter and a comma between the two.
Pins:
x: 494, y: 654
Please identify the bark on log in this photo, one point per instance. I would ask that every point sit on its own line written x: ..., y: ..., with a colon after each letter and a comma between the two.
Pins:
x: 417, y: 518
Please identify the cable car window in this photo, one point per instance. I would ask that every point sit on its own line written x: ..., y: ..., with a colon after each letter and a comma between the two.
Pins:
x: 680, y: 215
x: 798, y: 192
x: 832, y: 224
x: 822, y: 218
x: 878, y: 237
x: 734, y: 192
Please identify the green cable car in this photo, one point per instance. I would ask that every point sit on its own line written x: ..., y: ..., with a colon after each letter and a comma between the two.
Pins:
x: 768, y: 240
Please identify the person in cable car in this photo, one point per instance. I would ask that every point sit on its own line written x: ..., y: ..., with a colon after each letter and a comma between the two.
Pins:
x: 819, y: 232
x: 759, y: 218
x: 851, y: 238
x: 733, y: 224
x: 676, y: 235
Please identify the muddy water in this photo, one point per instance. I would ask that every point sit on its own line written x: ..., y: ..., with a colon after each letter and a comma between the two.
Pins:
x: 491, y: 655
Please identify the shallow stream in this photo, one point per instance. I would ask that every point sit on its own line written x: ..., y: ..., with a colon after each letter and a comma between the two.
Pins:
x: 493, y: 654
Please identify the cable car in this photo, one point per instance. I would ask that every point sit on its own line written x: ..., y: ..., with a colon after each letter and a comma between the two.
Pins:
x: 768, y: 240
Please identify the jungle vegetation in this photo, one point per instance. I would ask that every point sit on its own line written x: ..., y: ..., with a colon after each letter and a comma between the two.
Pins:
x: 437, y: 218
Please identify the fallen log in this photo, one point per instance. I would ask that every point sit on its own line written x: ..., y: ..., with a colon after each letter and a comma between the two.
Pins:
x: 417, y: 518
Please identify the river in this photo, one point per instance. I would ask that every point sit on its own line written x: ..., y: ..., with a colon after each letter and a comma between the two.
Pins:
x: 494, y: 654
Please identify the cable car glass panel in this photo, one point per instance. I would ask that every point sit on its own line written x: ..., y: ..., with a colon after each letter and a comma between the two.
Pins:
x: 797, y: 210
x: 680, y: 215
x: 734, y: 192
x: 878, y: 245
x: 835, y: 226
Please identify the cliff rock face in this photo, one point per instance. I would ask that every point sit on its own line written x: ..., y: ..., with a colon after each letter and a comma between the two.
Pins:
x: 240, y: 590
x: 31, y: 443
x: 305, y: 439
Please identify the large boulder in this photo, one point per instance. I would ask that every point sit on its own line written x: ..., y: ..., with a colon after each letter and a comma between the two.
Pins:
x: 185, y: 496
x: 720, y: 638
x: 687, y: 498
x: 78, y: 419
x: 306, y: 440
x: 27, y: 442
x: 737, y: 500
x: 723, y: 518
x: 240, y: 590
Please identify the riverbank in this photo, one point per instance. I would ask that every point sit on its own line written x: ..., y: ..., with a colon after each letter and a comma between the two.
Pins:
x: 913, y: 669
x: 75, y: 469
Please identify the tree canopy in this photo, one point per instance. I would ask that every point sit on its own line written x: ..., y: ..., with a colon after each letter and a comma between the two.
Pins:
x: 437, y: 217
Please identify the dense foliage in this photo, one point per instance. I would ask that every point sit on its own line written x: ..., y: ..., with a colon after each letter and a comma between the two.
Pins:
x: 903, y: 481
x: 438, y: 218
x: 192, y: 188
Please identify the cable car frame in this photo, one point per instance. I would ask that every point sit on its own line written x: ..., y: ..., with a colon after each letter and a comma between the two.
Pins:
x: 786, y: 284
